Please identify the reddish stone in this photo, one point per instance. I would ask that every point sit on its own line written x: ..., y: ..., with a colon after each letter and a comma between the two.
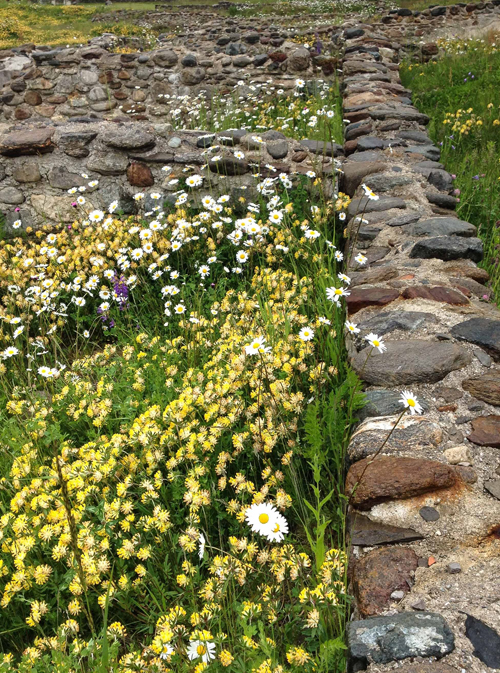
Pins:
x: 29, y: 141
x: 32, y: 97
x: 139, y: 175
x: 123, y: 74
x: 408, y: 276
x: 355, y: 117
x: 447, y: 407
x: 298, y: 157
x: 22, y: 113
x: 278, y: 56
x: 485, y: 387
x: 395, y: 478
x: 120, y: 95
x: 380, y: 572
x: 437, y: 293
x: 350, y: 147
x: 106, y: 77
x: 486, y: 431
x: 133, y: 107
x: 370, y: 296
x: 56, y: 100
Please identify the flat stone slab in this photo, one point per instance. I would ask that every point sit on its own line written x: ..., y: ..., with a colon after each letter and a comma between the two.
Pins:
x: 325, y: 148
x: 128, y: 138
x: 410, y: 361
x: 395, y: 478
x: 486, y: 641
x: 378, y: 574
x: 407, y: 634
x: 403, y: 113
x: 448, y: 248
x: 412, y: 433
x: 482, y: 332
x: 367, y: 205
x: 442, y: 226
x: 388, y: 321
x: 370, y: 296
x: 438, y: 293
x: 486, y: 431
x: 493, y: 488
x: 364, y: 532
x: 30, y: 141
x: 485, y: 387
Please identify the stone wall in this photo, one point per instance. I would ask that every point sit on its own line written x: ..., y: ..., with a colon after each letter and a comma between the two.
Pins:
x: 425, y: 503
x: 39, y: 164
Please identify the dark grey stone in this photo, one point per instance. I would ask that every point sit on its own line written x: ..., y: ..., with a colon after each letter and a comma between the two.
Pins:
x: 486, y: 641
x: 278, y: 149
x: 189, y: 61
x: 388, y: 321
x: 442, y: 200
x: 260, y: 59
x: 231, y: 137
x: 367, y: 205
x: 416, y: 137
x: 483, y: 357
x: 367, y: 156
x: 406, y: 634
x: 441, y: 180
x: 406, y: 218
x: 229, y: 166
x: 429, y: 151
x: 402, y: 113
x: 383, y: 182
x: 323, y: 147
x: 454, y: 568
x: 429, y: 514
x: 448, y: 248
x: 383, y: 403
x: 482, y: 332
x: 438, y: 11
x: 352, y: 33
x: 369, y: 143
x: 442, y: 226
x: 205, y: 141
x: 367, y: 533
x: 61, y: 178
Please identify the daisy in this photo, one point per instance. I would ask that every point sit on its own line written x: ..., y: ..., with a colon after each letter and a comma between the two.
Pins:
x: 10, y: 352
x: 311, y: 174
x: 279, y: 530
x: 204, y: 270
x: 112, y: 206
x: 201, y: 648
x: 262, y: 518
x: 202, y: 542
x: 312, y: 234
x: 257, y: 346
x: 361, y: 259
x: 324, y: 321
x: 306, y: 334
x: 342, y: 216
x: 239, y: 155
x: 167, y: 651
x: 410, y: 402
x: 343, y: 277
x: 275, y: 216
x: 80, y: 200
x: 241, y: 256
x: 139, y: 196
x: 338, y: 256
x: 299, y: 83
x: 376, y: 342
x: 180, y: 309
x: 96, y: 216
x: 369, y: 193
x: 352, y: 327
x: 334, y: 293
x: 44, y: 371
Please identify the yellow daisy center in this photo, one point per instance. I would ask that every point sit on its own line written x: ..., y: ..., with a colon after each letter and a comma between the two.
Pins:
x: 263, y: 518
x: 276, y: 528
x: 338, y: 291
x: 376, y: 342
x: 411, y: 402
x: 201, y: 650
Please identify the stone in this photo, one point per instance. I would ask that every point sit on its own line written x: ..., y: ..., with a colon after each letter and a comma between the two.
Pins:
x: 242, y: 61
x: 371, y: 296
x: 410, y: 361
x: 401, y: 220
x: 193, y: 76
x: 442, y: 226
x: 299, y: 59
x: 189, y: 61
x: 55, y: 208
x: 429, y: 513
x: 11, y: 195
x: 323, y: 147
x: 128, y: 138
x: 493, y: 487
x: 108, y: 162
x: 174, y: 142
x: 454, y: 568
x: 378, y: 574
x: 458, y: 454
x: 441, y: 180
x: 367, y: 205
x: 166, y: 58
x: 354, y: 173
x: 383, y: 182
x: 383, y: 403
x: 388, y: 321
x: 140, y: 175
x: 363, y: 532
x: 428, y: 151
x: 75, y: 144
x: 437, y: 293
x: 278, y: 149
x: 483, y: 357
x: 415, y: 136
x: 395, y: 478
x: 402, y: 113
x: 486, y: 431
x: 32, y: 97
x: 375, y: 275
x: 485, y: 640
x: 397, y: 595
x: 30, y: 141
x: 435, y: 667
x: 448, y: 248
x: 407, y: 634
x: 412, y: 433
x: 61, y: 178
x: 481, y: 332
x: 27, y: 171
x: 229, y: 166
x: 485, y: 387
x: 442, y: 200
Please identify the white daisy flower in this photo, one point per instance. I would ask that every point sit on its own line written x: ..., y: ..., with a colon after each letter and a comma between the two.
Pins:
x: 376, y: 342
x: 352, y: 327
x: 409, y: 400
x: 201, y: 649
x: 306, y: 334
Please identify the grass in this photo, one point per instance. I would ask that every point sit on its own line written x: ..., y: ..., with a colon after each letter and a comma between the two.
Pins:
x: 461, y: 93
x: 161, y: 375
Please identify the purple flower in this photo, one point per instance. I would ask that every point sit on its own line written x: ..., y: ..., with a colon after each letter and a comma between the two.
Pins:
x: 17, y: 210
